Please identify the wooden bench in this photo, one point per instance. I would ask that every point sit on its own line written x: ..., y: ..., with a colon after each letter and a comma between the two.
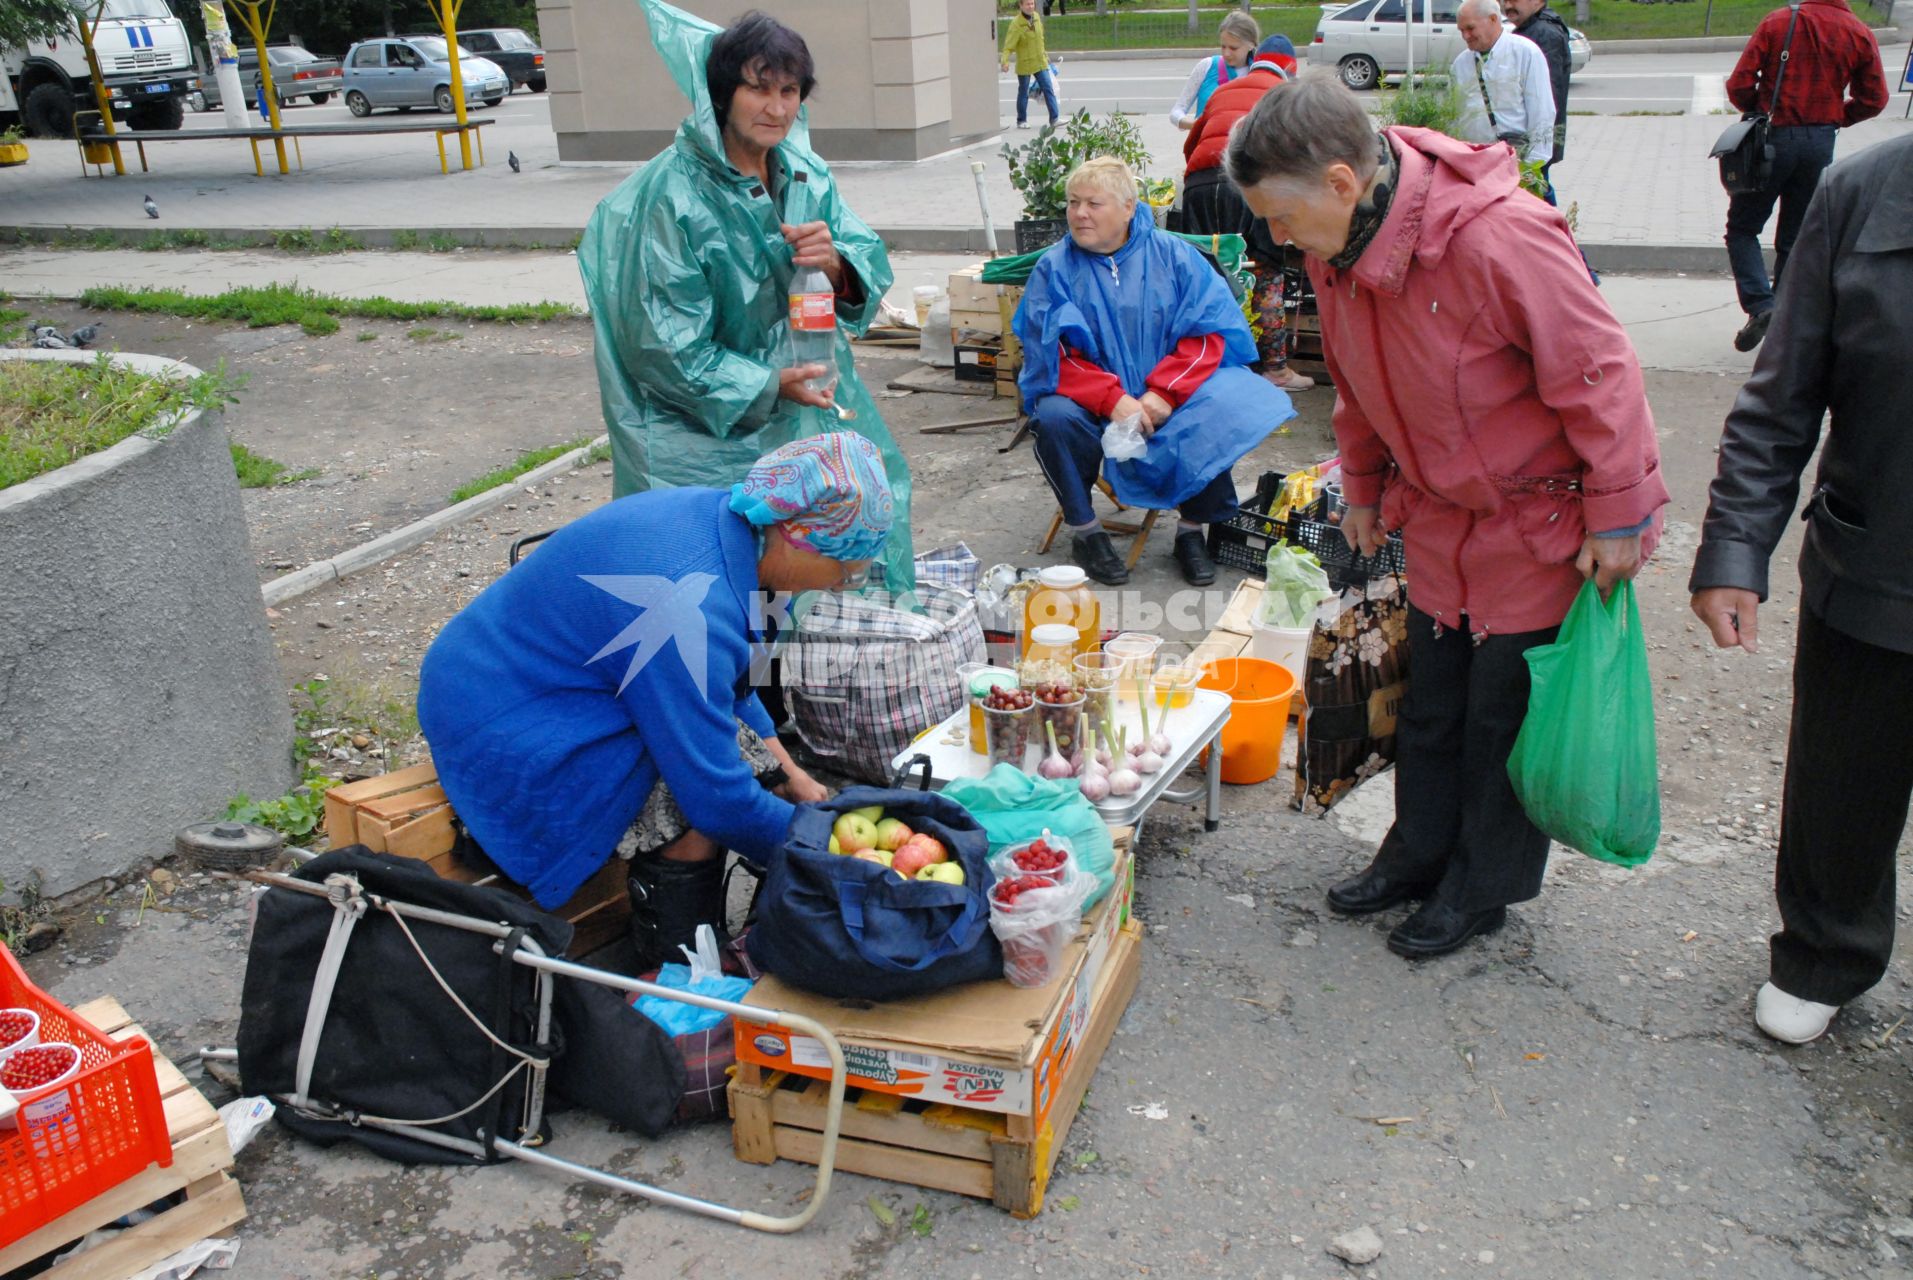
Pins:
x: 140, y: 137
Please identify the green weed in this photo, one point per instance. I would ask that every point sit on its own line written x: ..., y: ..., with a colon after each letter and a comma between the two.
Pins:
x: 257, y: 472
x: 366, y: 335
x: 441, y: 242
x: 52, y: 414
x: 13, y: 326
x: 262, y: 306
x: 527, y: 461
x: 296, y: 815
x: 405, y: 239
x: 421, y: 334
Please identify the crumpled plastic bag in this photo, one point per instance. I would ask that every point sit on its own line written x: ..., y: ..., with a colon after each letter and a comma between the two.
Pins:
x: 704, y: 975
x: 1295, y: 587
x: 1123, y: 440
x: 1038, y: 925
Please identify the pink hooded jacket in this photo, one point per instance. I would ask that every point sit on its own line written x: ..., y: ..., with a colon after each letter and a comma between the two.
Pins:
x: 1487, y: 398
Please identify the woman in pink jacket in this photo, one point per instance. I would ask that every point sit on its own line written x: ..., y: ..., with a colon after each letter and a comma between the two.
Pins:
x: 1490, y: 407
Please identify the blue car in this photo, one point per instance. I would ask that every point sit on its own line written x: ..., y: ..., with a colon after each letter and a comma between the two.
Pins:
x: 415, y: 71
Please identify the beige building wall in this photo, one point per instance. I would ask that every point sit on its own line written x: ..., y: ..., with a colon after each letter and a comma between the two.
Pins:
x: 896, y: 79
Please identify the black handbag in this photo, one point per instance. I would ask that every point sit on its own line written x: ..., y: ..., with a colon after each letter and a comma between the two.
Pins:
x: 1746, y: 150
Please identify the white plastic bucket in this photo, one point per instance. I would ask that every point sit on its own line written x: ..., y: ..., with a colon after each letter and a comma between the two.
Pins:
x: 1286, y: 647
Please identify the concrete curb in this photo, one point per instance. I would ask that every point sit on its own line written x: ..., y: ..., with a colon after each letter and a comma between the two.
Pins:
x: 1618, y: 258
x: 385, y: 546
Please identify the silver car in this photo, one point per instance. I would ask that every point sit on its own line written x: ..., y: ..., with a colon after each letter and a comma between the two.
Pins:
x: 1365, y: 41
x: 415, y: 71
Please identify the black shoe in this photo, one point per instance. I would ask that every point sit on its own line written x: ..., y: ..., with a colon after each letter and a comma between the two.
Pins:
x: 1192, y: 555
x: 1436, y: 929
x: 1097, y: 554
x: 1753, y: 331
x: 669, y: 900
x: 1373, y: 891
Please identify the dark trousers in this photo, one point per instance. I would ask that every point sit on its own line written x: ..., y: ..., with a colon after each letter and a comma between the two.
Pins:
x: 1044, y: 83
x: 1842, y: 812
x: 1800, y: 153
x: 1069, y: 448
x: 1458, y: 824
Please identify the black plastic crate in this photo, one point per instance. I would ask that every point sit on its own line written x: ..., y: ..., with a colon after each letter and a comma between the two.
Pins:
x: 1243, y: 540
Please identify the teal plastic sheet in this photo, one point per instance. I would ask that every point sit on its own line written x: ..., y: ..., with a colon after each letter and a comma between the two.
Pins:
x: 1011, y: 807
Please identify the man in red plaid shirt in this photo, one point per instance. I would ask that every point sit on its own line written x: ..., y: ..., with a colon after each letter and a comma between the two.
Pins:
x: 1833, y: 79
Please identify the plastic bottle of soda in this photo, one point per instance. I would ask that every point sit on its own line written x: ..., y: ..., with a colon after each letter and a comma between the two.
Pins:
x: 813, y: 325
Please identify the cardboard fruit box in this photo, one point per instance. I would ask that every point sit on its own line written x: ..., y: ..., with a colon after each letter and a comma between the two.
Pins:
x: 986, y: 1046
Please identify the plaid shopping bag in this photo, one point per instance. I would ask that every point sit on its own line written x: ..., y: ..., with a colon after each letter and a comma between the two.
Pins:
x: 1357, y: 674
x: 863, y: 678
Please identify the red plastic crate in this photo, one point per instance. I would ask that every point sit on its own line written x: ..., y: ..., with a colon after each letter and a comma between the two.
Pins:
x: 115, y: 1128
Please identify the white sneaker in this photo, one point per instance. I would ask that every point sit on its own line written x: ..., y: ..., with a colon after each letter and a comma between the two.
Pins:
x: 1790, y: 1019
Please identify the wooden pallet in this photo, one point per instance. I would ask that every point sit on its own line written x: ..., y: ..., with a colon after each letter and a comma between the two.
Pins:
x: 1000, y: 1158
x: 202, y: 1163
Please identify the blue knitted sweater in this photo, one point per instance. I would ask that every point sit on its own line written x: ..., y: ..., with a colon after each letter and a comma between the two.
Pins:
x: 555, y: 701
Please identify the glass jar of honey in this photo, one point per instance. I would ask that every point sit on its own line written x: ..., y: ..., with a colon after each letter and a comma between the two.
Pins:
x: 1061, y: 597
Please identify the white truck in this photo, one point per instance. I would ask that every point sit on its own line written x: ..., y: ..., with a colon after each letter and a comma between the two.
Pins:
x: 144, y: 58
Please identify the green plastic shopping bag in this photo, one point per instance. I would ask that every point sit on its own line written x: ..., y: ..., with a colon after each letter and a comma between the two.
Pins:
x: 1585, y: 764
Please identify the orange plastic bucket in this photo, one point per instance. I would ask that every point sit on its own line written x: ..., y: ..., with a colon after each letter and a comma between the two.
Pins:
x: 1259, y: 692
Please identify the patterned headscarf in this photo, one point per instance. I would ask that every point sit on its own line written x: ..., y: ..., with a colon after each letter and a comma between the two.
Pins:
x: 829, y: 492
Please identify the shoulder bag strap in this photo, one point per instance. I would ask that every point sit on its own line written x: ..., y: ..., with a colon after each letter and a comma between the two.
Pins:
x: 1780, y: 76
x: 1481, y: 78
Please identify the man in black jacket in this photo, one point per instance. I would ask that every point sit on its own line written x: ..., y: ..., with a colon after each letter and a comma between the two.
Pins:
x: 1839, y: 343
x: 1533, y: 19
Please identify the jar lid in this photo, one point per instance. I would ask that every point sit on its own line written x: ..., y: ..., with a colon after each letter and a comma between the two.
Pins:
x: 1054, y: 634
x: 1063, y: 577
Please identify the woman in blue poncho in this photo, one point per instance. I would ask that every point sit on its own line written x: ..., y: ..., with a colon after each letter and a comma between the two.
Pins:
x: 597, y: 699
x: 1120, y: 321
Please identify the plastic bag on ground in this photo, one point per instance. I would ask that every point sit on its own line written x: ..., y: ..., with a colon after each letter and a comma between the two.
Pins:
x: 1295, y: 586
x: 1123, y: 440
x: 1034, y: 922
x: 1585, y: 765
x: 703, y: 975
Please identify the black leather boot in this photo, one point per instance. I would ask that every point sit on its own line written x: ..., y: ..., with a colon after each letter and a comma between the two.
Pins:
x: 1097, y: 555
x: 669, y: 900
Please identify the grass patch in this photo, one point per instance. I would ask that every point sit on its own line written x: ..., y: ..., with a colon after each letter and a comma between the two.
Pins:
x: 421, y: 334
x: 527, y: 461
x: 405, y: 239
x: 13, y: 326
x: 366, y: 335
x: 441, y: 242
x: 600, y: 452
x: 177, y: 238
x: 304, y: 240
x: 53, y: 413
x: 262, y: 306
x: 257, y: 472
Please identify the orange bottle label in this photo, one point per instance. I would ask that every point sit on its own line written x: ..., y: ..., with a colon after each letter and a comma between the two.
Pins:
x: 813, y: 312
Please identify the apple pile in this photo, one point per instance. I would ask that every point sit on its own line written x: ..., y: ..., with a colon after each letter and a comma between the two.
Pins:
x: 889, y: 842
x: 28, y: 1069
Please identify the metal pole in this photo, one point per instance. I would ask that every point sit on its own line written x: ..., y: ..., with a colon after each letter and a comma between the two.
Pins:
x: 448, y: 21
x: 100, y: 95
x: 983, y: 199
x: 257, y: 27
x: 1707, y: 22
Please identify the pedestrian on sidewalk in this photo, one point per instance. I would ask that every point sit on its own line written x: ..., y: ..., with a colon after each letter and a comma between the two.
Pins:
x: 1120, y: 321
x: 1238, y: 35
x: 1832, y: 79
x: 1023, y: 41
x: 1211, y: 205
x: 1506, y: 95
x: 1488, y: 405
x: 1534, y: 20
x: 688, y: 266
x: 1838, y: 346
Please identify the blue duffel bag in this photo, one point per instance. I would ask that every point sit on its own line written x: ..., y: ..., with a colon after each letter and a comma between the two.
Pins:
x: 844, y: 927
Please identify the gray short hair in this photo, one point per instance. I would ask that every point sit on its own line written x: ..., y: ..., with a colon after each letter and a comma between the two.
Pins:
x: 1298, y: 129
x: 1242, y: 26
x: 1481, y: 8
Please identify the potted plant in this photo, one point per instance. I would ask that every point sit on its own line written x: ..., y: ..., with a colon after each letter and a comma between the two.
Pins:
x: 1039, y: 168
x: 13, y: 150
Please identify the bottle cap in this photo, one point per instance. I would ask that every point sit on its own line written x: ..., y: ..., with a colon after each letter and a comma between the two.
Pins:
x: 1056, y: 635
x: 1063, y: 576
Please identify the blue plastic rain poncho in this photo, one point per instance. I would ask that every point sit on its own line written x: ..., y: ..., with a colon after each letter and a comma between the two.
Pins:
x: 1126, y: 311
x: 688, y: 277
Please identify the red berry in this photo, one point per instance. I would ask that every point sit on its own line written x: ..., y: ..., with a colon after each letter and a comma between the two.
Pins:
x: 14, y: 1026
x: 30, y: 1068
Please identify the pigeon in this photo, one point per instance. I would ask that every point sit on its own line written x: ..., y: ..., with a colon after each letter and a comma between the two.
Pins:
x: 152, y: 210
x: 45, y: 331
x: 49, y: 342
x: 511, y: 158
x: 83, y: 336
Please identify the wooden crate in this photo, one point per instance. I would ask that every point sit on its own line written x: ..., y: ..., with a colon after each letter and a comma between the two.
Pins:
x: 201, y: 1168
x: 406, y: 813
x: 1005, y: 1159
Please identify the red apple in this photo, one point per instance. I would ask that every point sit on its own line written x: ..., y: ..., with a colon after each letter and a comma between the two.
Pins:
x: 855, y: 833
x: 891, y: 833
x: 918, y: 852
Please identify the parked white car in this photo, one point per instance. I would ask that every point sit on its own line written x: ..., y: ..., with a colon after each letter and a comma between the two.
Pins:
x: 1365, y: 42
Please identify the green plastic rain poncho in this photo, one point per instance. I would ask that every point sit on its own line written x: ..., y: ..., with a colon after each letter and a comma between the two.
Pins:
x: 688, y: 276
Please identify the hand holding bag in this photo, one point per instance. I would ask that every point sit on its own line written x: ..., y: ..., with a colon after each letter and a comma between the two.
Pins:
x: 845, y: 927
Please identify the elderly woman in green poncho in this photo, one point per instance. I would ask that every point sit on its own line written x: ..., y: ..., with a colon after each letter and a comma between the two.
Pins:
x: 688, y: 266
